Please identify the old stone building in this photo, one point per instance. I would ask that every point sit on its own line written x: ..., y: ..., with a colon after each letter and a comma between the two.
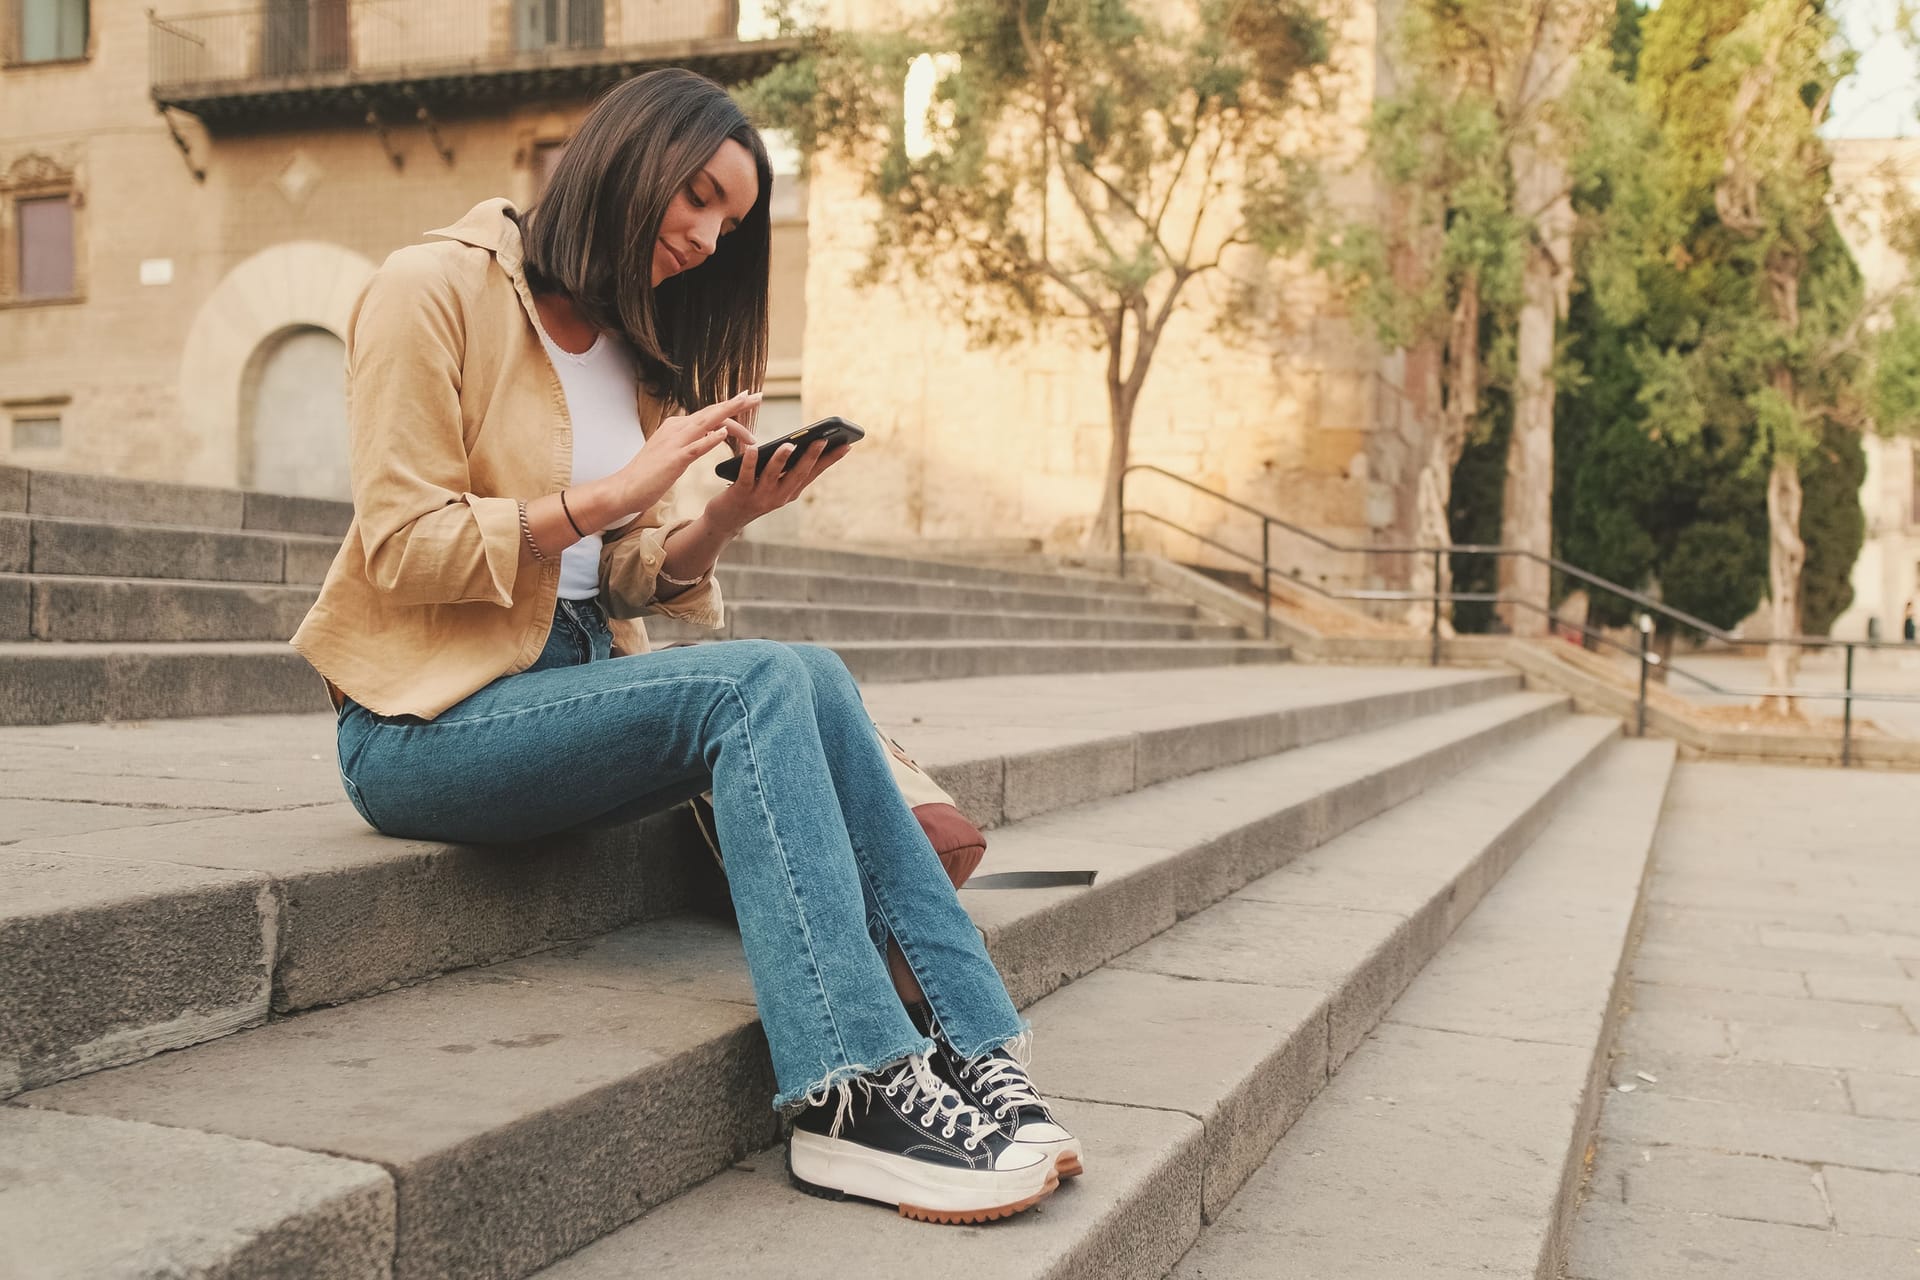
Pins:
x: 1886, y: 577
x: 198, y: 199
x: 190, y: 204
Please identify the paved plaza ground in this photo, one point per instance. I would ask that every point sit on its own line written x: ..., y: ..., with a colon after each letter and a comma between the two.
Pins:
x: 1769, y: 1127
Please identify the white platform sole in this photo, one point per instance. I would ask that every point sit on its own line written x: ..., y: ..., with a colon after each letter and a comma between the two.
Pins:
x: 835, y: 1168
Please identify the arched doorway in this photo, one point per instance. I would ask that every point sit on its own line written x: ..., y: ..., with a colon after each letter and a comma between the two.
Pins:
x: 294, y: 415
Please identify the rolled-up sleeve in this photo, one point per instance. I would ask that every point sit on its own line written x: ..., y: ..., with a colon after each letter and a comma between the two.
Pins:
x: 427, y: 538
x: 630, y: 562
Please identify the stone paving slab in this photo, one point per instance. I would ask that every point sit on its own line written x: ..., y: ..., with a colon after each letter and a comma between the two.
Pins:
x: 1619, y: 1242
x: 1752, y: 1090
x: 1773, y: 1011
x: 1891, y: 1096
x: 1689, y: 1180
x: 1868, y: 1203
x: 1721, y: 1079
x: 83, y: 1197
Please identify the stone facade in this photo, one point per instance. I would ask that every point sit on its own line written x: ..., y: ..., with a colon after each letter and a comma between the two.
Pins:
x: 1886, y: 577
x: 968, y: 444
x: 197, y: 349
x: 194, y: 347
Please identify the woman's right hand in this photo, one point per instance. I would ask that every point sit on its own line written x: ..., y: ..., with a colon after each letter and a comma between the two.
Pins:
x: 677, y: 443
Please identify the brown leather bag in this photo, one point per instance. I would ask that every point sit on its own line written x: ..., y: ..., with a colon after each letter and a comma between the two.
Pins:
x: 959, y: 844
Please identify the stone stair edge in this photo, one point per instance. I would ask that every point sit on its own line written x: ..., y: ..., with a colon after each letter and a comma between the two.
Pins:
x: 39, y: 491
x: 433, y: 1235
x: 1238, y: 1117
x: 343, y: 913
x: 57, y: 682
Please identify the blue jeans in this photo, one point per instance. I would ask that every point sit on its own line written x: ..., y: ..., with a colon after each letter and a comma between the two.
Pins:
x: 823, y: 856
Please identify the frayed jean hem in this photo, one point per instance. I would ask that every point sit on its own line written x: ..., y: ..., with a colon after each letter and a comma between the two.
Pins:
x: 791, y: 1101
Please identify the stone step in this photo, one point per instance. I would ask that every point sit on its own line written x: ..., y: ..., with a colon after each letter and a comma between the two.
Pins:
x: 85, y: 1196
x: 93, y: 610
x: 92, y: 548
x: 748, y: 583
x: 816, y: 559
x: 100, y: 609
x: 108, y: 499
x: 797, y: 622
x: 1185, y: 1058
x: 44, y: 683
x: 528, y: 1108
x: 263, y: 889
x: 1474, y: 1100
x: 66, y: 683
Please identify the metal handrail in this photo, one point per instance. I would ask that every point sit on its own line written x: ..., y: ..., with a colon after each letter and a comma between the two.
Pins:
x: 1437, y: 597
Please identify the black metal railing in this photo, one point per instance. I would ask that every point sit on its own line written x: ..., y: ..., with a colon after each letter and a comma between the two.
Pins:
x: 1441, y: 596
x: 286, y: 43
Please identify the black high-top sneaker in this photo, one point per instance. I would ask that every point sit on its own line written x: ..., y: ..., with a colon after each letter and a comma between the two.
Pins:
x: 997, y: 1084
x: 905, y: 1137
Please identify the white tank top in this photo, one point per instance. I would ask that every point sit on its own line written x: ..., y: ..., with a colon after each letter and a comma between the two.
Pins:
x: 603, y: 399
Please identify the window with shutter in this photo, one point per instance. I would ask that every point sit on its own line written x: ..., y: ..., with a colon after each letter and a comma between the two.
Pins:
x: 43, y: 228
x: 52, y: 30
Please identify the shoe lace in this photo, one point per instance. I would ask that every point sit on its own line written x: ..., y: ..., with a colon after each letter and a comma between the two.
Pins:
x: 938, y: 1101
x: 1001, y: 1083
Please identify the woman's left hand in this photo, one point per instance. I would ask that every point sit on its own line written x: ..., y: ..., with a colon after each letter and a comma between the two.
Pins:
x: 761, y: 489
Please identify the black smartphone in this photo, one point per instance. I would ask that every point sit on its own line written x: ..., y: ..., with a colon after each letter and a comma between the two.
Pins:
x: 835, y: 431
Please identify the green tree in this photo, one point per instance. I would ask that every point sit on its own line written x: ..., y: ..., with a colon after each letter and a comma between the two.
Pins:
x: 1089, y: 160
x: 1739, y: 89
x: 1465, y: 269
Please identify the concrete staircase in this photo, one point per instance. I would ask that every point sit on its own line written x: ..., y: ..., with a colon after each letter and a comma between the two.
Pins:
x: 247, y: 1037
x: 125, y: 600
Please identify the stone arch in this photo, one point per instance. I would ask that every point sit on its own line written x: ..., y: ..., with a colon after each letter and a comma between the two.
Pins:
x: 284, y: 289
x: 293, y: 415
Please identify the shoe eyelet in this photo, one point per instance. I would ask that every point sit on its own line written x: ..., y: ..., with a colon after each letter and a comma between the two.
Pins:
x: 948, y: 1132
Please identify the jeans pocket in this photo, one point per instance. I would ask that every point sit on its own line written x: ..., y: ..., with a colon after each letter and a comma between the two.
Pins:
x: 357, y: 800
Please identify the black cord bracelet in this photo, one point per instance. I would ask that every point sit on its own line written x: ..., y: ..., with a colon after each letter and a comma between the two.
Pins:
x: 569, y: 514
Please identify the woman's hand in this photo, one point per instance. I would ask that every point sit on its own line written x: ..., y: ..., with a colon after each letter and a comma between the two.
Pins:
x: 761, y: 489
x: 676, y: 444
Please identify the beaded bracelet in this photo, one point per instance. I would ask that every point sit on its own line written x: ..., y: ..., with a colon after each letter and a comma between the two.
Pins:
x: 526, y: 531
x: 670, y: 580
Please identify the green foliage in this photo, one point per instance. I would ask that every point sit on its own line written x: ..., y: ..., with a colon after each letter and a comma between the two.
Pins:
x: 1441, y: 143
x: 1076, y: 145
x: 1692, y: 379
x: 1833, y: 526
x: 1896, y: 381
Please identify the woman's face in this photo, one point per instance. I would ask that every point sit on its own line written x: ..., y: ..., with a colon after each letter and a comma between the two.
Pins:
x: 708, y: 207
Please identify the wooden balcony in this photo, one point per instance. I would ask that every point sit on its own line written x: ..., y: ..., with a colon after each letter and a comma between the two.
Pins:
x: 288, y: 62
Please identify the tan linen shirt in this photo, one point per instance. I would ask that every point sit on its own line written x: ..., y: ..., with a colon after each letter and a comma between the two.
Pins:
x: 455, y: 415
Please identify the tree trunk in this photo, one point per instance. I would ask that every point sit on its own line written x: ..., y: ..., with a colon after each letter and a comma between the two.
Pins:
x: 1103, y: 538
x: 1433, y: 493
x: 1786, y: 559
x: 1539, y: 192
x: 1432, y: 497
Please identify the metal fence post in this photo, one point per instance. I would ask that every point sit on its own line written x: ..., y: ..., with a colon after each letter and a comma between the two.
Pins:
x: 1646, y: 642
x: 1266, y: 580
x: 1846, y: 730
x: 1433, y: 657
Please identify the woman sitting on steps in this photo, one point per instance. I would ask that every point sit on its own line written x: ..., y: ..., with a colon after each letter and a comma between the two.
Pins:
x: 523, y: 393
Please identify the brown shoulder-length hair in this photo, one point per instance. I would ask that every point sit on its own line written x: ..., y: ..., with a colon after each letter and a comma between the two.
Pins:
x: 701, y: 336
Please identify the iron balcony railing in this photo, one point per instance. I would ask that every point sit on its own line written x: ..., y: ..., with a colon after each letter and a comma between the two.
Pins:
x: 1441, y: 595
x: 283, y: 47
